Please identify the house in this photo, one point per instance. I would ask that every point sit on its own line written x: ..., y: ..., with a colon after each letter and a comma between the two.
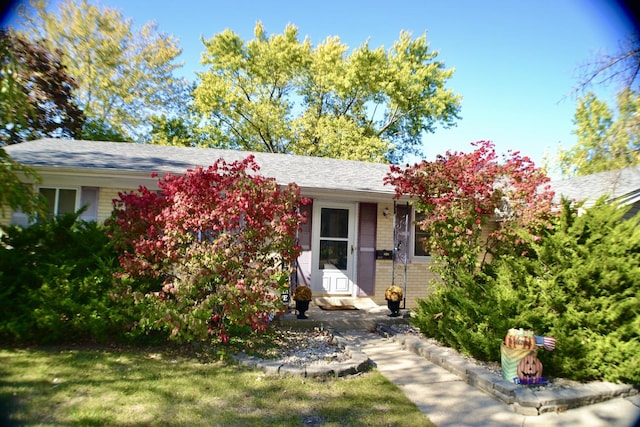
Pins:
x: 352, y: 214
x: 621, y: 186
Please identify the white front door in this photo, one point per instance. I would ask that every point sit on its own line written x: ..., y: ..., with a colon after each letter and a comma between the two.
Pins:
x: 333, y: 248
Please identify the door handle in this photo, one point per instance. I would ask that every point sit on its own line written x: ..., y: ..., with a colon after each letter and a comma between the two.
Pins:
x: 352, y: 249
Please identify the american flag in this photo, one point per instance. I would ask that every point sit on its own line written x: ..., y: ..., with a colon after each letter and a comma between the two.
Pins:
x: 548, y: 343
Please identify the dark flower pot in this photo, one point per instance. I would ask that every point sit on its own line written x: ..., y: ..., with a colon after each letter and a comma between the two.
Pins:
x: 301, y: 307
x: 394, y: 306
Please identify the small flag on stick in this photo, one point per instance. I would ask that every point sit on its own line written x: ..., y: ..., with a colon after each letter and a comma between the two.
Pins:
x: 548, y: 343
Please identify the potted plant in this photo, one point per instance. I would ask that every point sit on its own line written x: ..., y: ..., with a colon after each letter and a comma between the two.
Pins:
x: 302, y: 297
x: 393, y: 295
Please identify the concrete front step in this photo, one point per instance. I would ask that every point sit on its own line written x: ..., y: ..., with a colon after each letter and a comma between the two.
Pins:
x: 362, y: 303
x: 341, y: 320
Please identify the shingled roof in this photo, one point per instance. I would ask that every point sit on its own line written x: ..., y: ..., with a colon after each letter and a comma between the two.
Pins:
x: 621, y: 185
x: 307, y: 172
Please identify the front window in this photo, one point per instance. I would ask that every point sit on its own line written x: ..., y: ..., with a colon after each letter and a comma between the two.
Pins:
x: 59, y: 201
x: 419, y: 237
x: 408, y: 235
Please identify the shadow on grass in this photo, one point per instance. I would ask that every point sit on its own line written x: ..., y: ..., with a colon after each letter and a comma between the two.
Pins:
x: 7, y: 406
x: 69, y: 387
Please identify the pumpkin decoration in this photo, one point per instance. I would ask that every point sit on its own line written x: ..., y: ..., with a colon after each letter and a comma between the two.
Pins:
x: 529, y: 369
x: 518, y: 356
x: 302, y: 293
x: 520, y: 339
x: 393, y: 293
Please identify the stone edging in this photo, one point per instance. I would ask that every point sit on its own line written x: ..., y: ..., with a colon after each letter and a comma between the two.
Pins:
x: 522, y: 399
x: 357, y: 362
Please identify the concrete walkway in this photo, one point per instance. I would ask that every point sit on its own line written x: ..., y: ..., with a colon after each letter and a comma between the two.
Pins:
x: 450, y: 401
x: 445, y: 397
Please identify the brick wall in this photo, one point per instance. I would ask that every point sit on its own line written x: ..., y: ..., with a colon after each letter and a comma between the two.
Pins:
x: 418, y: 275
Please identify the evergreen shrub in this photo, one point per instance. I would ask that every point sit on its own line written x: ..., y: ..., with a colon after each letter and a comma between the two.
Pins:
x: 56, y: 284
x: 580, y: 283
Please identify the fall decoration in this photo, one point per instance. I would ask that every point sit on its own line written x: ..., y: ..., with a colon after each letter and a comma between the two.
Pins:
x: 529, y: 369
x: 510, y: 359
x: 302, y: 293
x: 520, y: 339
x: 518, y: 356
x: 302, y: 297
x: 393, y: 293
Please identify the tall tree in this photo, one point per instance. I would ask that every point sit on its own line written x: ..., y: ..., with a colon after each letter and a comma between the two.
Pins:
x: 621, y: 67
x: 123, y: 75
x: 183, y: 128
x: 607, y: 140
x: 279, y: 94
x: 36, y: 93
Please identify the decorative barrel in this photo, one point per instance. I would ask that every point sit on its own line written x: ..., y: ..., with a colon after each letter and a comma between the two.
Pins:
x: 510, y: 359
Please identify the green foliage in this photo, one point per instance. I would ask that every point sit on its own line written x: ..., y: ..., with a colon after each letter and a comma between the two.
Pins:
x: 124, y: 74
x: 279, y: 94
x: 580, y: 284
x: 56, y: 283
x: 607, y: 140
x: 14, y: 194
x: 98, y: 130
x: 184, y: 127
x: 456, y: 314
x: 172, y: 131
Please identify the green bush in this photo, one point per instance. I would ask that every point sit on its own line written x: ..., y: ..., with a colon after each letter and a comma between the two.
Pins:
x: 453, y: 315
x: 56, y: 284
x: 579, y: 284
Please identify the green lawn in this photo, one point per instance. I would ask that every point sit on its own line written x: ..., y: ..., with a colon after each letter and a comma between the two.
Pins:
x: 99, y: 387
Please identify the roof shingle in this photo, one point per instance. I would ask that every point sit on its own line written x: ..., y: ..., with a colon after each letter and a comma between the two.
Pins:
x: 307, y: 172
x: 622, y: 185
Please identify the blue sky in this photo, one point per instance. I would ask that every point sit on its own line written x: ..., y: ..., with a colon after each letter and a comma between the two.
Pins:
x: 516, y: 61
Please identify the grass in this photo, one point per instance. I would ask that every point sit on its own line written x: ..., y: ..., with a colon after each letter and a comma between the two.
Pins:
x: 133, y: 387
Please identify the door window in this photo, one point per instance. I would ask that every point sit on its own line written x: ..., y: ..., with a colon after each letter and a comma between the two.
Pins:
x: 334, y: 238
x: 334, y: 223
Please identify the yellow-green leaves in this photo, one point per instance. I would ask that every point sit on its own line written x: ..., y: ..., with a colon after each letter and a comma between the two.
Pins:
x: 123, y: 75
x: 278, y: 93
x: 607, y: 140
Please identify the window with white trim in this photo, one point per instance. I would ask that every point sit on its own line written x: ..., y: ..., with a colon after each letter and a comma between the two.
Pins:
x: 410, y: 236
x: 59, y: 201
x: 63, y: 200
x: 419, y: 236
